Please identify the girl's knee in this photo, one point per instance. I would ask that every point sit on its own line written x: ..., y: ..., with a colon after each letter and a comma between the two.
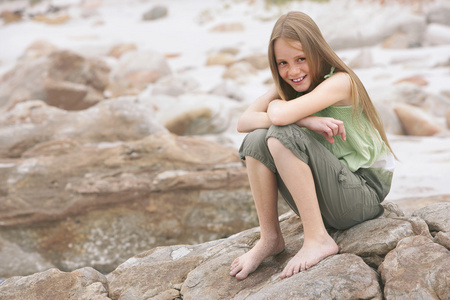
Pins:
x: 275, y: 145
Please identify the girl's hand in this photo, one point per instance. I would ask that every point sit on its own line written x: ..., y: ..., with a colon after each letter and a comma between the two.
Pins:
x: 328, y: 127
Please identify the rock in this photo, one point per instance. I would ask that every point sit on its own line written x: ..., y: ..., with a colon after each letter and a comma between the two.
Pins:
x: 447, y: 118
x: 258, y: 61
x: 14, y: 260
x: 228, y: 27
x: 52, y: 20
x: 11, y: 16
x: 84, y: 283
x: 98, y: 206
x: 39, y: 48
x: 195, y: 263
x: 443, y: 238
x: 416, y: 269
x: 403, y: 28
x: 417, y: 122
x: 436, y: 216
x: 373, y: 239
x: 67, y: 95
x: 156, y: 12
x: 417, y: 80
x: 362, y: 60
x: 439, y: 13
x: 437, y: 104
x: 30, y: 124
x: 222, y: 59
x: 135, y: 71
x: 241, y: 72
x: 437, y: 34
x: 173, y: 85
x: 48, y: 78
x: 193, y: 114
x: 409, y: 93
x: 118, y: 50
x: 391, y: 122
x: 230, y: 89
x: 341, y: 276
x: 327, y: 281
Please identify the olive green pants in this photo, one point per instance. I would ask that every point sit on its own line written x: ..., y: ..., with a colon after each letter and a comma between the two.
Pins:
x: 345, y: 198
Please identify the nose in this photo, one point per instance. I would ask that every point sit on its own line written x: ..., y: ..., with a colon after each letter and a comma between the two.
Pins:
x: 293, y: 71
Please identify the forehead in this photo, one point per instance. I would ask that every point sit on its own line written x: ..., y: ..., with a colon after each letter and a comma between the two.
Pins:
x: 284, y: 47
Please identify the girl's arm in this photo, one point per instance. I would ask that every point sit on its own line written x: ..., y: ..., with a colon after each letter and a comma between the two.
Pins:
x: 336, y: 90
x: 255, y: 116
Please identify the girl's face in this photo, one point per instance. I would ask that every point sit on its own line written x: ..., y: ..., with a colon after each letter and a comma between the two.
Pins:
x: 292, y: 64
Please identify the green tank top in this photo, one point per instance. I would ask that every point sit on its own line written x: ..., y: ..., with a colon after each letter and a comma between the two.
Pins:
x: 363, y: 146
x: 363, y: 151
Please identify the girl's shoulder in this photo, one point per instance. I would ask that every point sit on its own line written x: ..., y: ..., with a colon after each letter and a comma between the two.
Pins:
x: 340, y: 82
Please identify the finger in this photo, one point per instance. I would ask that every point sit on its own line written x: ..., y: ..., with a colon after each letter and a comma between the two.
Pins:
x: 342, y: 132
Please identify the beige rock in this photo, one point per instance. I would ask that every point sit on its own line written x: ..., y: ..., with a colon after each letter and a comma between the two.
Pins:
x: 228, y: 27
x: 391, y: 121
x: 373, y: 239
x: 258, y: 61
x: 417, y: 80
x: 193, y: 113
x: 416, y: 269
x: 38, y: 48
x: 52, y: 20
x: 135, y: 71
x: 31, y: 123
x: 436, y: 216
x: 10, y: 16
x: 118, y: 50
x: 66, y: 95
x: 417, y: 122
x: 222, y: 59
x: 447, y: 118
x: 241, y: 72
x: 443, y: 238
x: 54, y: 75
x: 80, y: 284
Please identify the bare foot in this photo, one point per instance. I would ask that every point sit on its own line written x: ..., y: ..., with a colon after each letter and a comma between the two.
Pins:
x: 309, y: 255
x: 248, y: 262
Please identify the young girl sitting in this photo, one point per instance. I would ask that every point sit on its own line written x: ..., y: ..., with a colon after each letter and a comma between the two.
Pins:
x: 317, y: 139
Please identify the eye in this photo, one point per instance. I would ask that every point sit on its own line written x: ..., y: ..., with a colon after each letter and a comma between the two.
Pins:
x: 301, y: 59
x: 282, y: 63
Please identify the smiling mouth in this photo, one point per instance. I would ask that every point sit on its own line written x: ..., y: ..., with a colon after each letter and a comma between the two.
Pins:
x: 298, y: 80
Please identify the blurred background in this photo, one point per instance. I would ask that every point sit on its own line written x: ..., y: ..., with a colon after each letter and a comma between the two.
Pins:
x: 117, y: 118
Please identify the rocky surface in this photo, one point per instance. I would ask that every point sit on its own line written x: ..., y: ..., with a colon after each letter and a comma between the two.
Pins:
x: 117, y: 137
x: 97, y: 206
x: 392, y: 257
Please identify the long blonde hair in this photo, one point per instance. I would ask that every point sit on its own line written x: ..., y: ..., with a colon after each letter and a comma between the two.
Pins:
x: 298, y: 26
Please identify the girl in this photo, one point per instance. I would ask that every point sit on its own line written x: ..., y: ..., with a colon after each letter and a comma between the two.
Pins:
x: 317, y: 138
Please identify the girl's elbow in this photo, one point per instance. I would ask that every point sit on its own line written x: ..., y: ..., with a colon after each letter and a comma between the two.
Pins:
x: 277, y: 119
x: 241, y: 128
